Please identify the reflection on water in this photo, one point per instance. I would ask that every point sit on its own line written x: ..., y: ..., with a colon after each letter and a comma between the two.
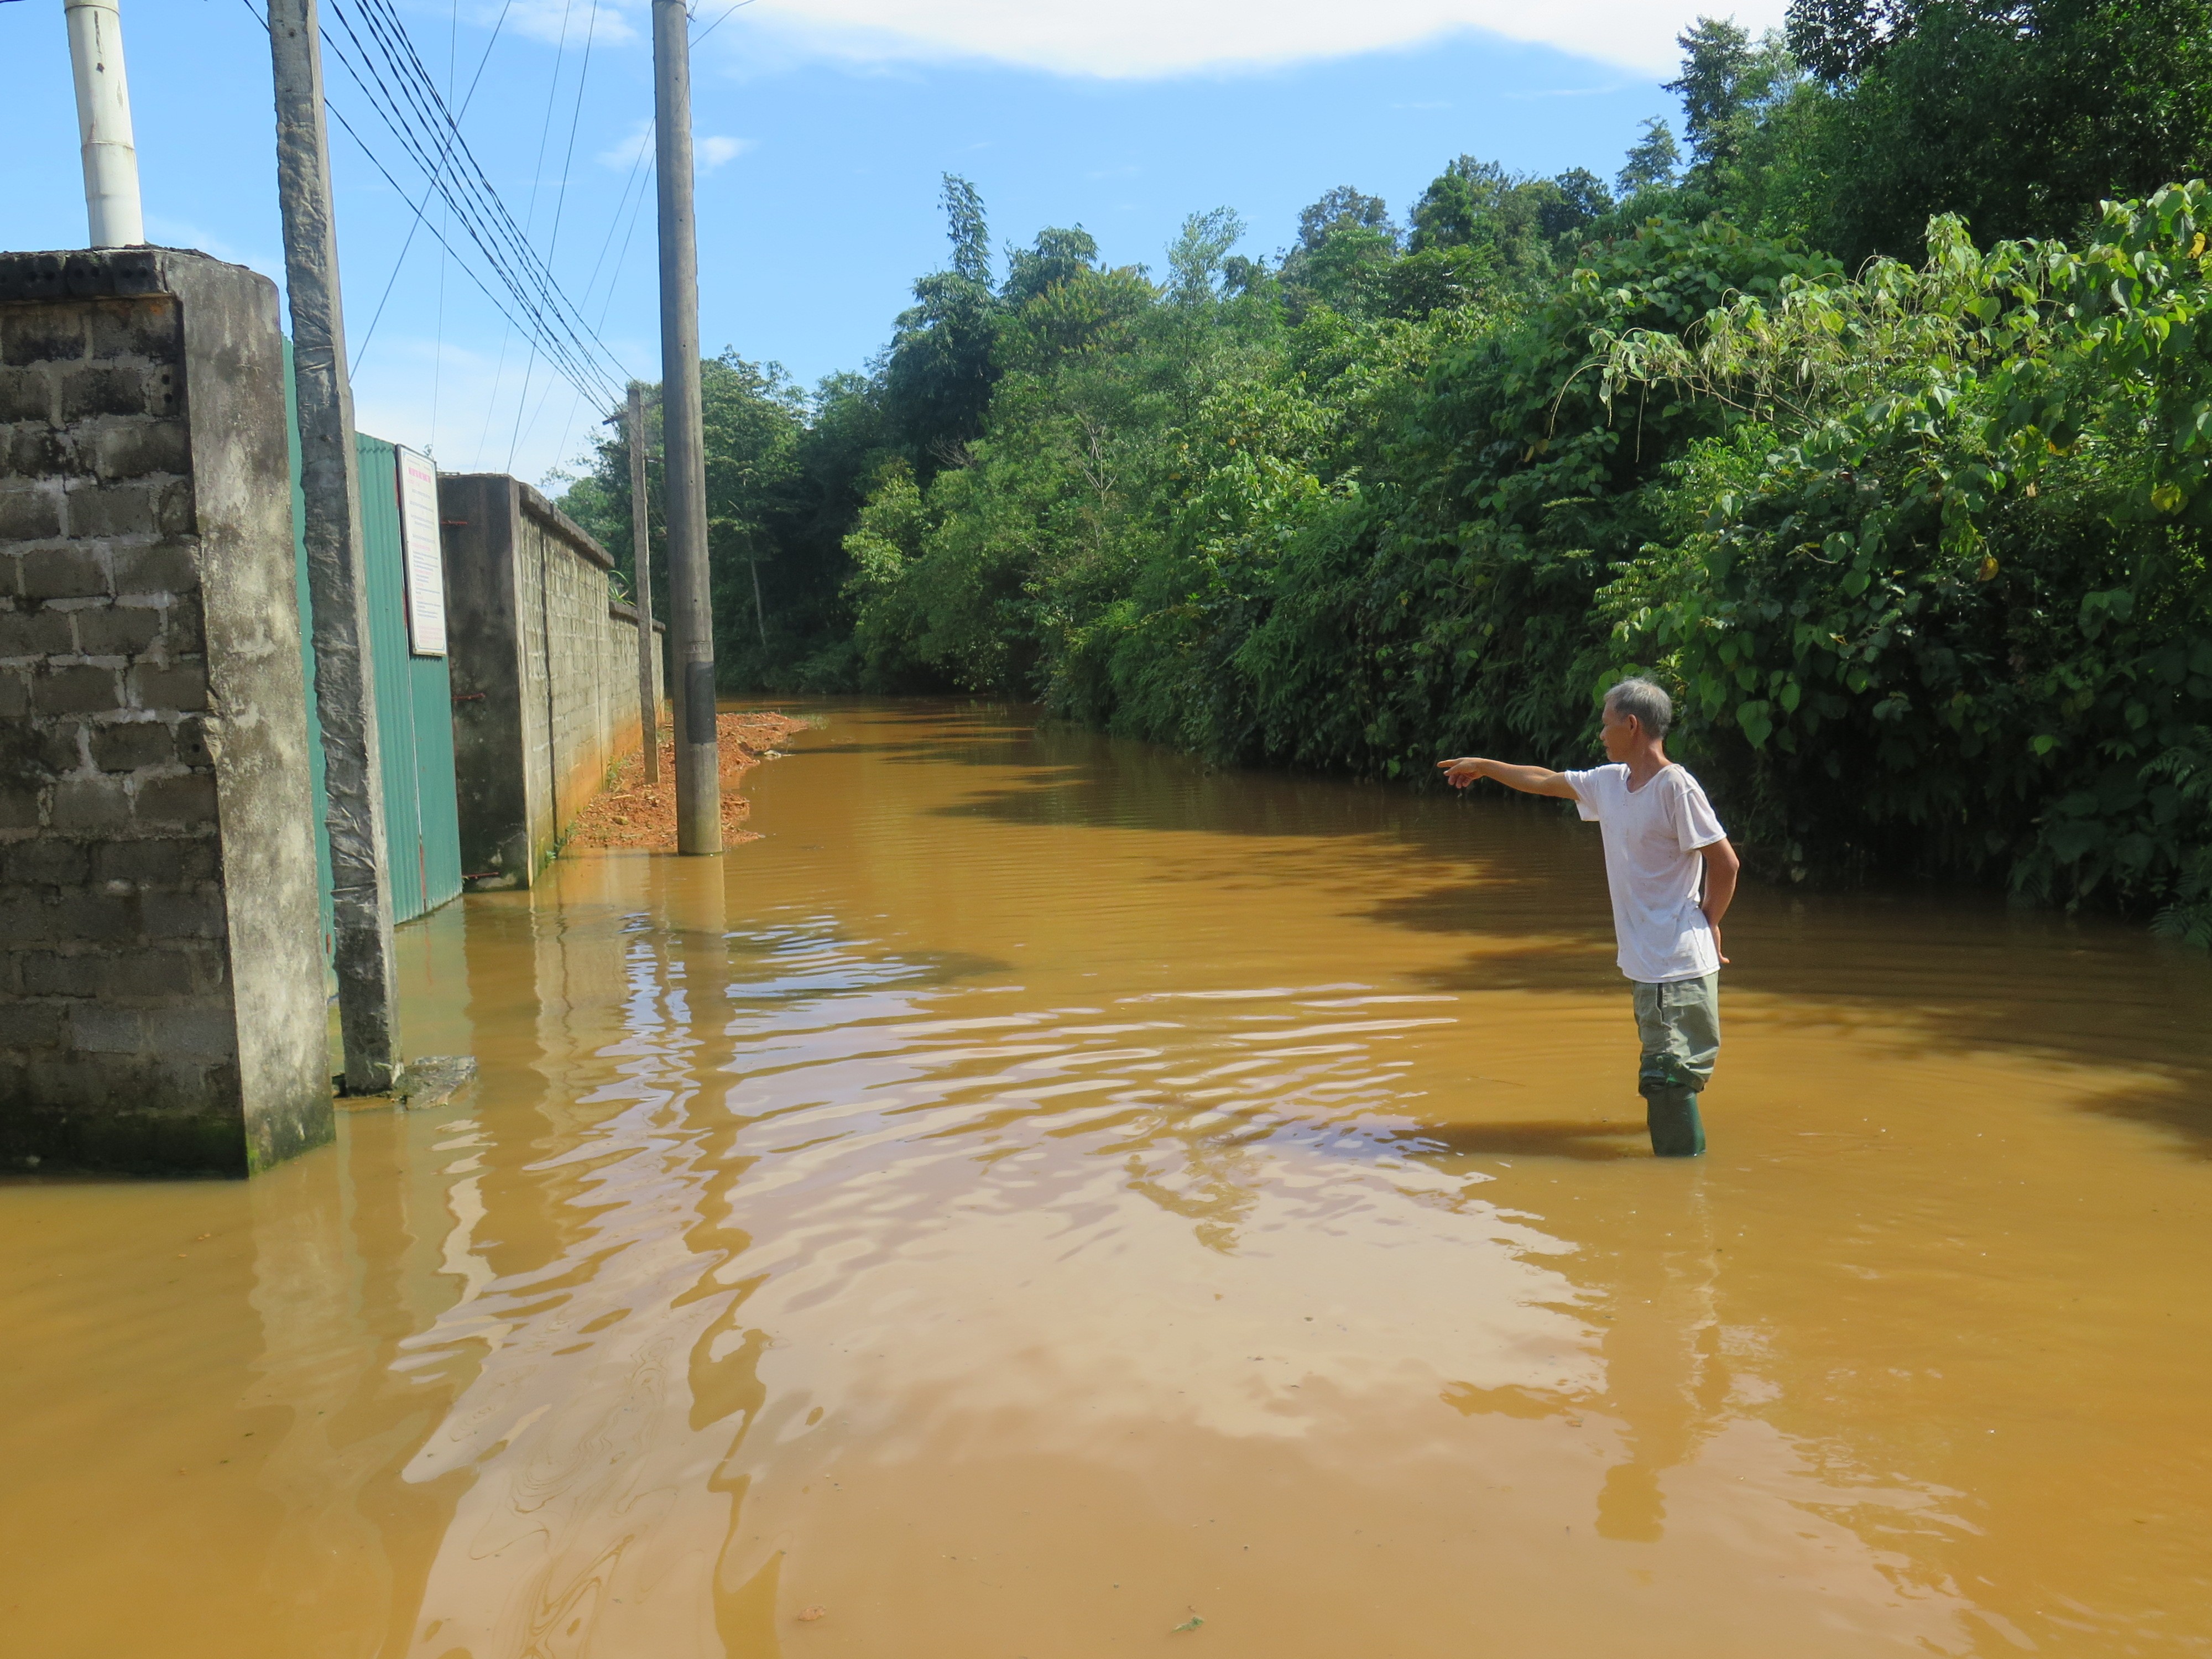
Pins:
x: 1045, y: 1191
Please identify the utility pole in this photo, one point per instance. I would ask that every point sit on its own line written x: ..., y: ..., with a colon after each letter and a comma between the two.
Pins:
x: 329, y: 475
x: 691, y: 621
x: 640, y: 541
x: 103, y: 117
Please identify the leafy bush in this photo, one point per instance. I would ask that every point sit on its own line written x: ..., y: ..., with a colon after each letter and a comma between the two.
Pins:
x: 1943, y: 601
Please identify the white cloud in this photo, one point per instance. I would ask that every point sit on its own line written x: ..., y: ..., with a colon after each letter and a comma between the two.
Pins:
x: 707, y: 151
x: 710, y: 153
x: 551, y: 20
x: 1137, y: 39
x: 623, y: 154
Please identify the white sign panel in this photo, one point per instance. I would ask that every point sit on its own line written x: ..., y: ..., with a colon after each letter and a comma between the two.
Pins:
x: 426, y: 559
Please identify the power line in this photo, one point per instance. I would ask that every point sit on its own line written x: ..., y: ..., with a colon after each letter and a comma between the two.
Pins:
x: 622, y: 204
x: 530, y: 218
x: 636, y: 212
x: 575, y: 120
x: 371, y: 44
x: 378, y: 56
x: 589, y: 374
x: 560, y: 199
x: 483, y: 216
x: 429, y: 106
x: 391, y: 281
x: 718, y: 21
x: 438, y: 338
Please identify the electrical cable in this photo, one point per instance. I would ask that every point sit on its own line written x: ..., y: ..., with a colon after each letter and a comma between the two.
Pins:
x: 412, y: 110
x: 530, y: 218
x: 718, y: 21
x: 438, y: 338
x: 361, y: 350
x: 498, y: 222
x: 517, y: 295
x: 608, y: 304
x: 575, y: 120
x: 371, y: 43
x: 622, y: 206
x: 485, y: 219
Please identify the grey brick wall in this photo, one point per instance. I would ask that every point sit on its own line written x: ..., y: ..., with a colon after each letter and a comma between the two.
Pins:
x: 545, y: 668
x: 154, y: 809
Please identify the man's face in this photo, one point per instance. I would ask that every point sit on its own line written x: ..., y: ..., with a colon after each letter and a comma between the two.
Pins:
x: 1618, y: 732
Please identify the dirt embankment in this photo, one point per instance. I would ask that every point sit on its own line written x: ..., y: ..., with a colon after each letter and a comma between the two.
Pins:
x: 632, y: 812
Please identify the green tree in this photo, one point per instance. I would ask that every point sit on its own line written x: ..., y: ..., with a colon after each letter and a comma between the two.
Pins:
x: 786, y: 475
x: 1728, y: 82
x: 1057, y: 257
x: 941, y: 366
x: 1342, y: 209
x: 2019, y: 115
x: 1347, y: 242
x: 1653, y: 161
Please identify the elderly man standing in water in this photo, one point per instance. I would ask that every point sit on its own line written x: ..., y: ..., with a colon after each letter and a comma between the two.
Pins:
x: 1672, y: 874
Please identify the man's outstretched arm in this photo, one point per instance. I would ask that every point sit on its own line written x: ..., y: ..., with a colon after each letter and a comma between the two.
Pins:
x: 1528, y: 779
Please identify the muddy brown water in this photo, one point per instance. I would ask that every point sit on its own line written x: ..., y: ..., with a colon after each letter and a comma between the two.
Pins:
x: 1045, y: 1193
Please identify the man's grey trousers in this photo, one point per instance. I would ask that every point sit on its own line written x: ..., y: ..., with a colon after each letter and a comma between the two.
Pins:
x: 1679, y: 1023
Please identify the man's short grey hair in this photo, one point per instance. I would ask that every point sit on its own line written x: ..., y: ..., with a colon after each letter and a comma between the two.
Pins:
x: 1653, y: 708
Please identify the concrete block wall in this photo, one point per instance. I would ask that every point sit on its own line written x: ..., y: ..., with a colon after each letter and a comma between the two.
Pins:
x: 545, y: 668
x: 161, y: 988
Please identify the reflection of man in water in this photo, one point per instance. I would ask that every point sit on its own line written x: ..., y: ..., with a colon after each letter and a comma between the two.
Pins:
x: 1666, y: 1377
x: 1672, y: 874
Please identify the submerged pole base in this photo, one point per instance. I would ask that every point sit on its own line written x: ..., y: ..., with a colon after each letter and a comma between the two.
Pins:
x: 1677, y: 1131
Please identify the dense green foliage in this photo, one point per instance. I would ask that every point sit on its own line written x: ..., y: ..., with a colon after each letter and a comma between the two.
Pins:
x: 786, y: 473
x: 2020, y: 115
x: 1880, y: 435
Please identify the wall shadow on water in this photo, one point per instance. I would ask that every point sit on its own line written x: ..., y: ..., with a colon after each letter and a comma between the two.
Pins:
x: 986, y: 735
x: 2184, y: 1111
x: 1073, y: 777
x: 1935, y: 970
x: 1932, y: 973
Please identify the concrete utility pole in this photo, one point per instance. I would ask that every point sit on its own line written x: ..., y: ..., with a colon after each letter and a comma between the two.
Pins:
x: 103, y: 117
x: 690, y: 603
x: 641, y: 540
x: 330, y: 474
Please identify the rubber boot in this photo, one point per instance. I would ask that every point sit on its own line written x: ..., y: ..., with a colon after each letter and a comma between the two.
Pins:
x: 1676, y: 1129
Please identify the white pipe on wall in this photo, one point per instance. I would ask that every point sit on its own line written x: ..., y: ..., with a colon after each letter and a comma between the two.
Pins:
x: 103, y: 115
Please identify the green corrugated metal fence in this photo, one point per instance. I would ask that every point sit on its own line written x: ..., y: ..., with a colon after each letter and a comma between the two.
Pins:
x: 414, y: 709
x: 414, y: 706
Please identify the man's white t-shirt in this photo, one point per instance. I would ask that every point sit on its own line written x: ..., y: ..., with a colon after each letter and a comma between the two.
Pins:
x: 1652, y: 835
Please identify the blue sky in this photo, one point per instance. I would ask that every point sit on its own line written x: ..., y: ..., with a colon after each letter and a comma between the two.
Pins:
x: 823, y: 127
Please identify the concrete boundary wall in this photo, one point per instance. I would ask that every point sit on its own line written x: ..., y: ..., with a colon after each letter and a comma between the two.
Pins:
x: 545, y: 671
x: 161, y: 989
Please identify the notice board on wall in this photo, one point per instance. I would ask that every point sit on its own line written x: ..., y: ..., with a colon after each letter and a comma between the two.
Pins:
x: 426, y: 558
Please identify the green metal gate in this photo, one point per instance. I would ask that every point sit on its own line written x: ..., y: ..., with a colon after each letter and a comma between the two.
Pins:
x: 414, y: 703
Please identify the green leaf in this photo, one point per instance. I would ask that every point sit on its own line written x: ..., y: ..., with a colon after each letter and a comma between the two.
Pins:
x: 1757, y: 720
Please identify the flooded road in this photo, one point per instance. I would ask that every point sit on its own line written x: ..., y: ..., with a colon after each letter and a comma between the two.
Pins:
x: 1044, y: 1195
